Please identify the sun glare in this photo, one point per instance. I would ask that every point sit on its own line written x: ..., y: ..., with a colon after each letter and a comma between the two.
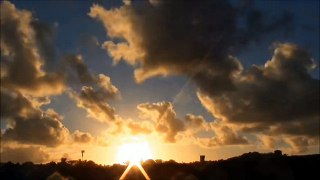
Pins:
x: 134, y: 152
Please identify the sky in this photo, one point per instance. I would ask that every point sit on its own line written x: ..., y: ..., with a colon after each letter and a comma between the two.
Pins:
x: 216, y: 78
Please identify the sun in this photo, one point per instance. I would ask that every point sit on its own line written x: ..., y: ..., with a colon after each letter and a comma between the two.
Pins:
x: 134, y: 152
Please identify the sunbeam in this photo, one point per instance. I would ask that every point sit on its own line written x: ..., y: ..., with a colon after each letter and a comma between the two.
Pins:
x: 134, y: 153
x: 138, y: 164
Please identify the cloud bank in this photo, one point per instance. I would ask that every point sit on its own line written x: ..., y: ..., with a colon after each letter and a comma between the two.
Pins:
x: 200, y: 40
x: 29, y: 78
x: 21, y: 54
x: 160, y: 38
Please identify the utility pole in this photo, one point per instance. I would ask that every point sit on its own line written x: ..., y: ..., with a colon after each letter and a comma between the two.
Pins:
x: 82, y: 151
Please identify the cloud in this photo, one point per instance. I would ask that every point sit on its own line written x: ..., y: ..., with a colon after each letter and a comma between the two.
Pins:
x: 76, y: 63
x: 166, y: 123
x: 27, y: 45
x: 24, y: 154
x: 29, y: 78
x: 270, y: 142
x: 195, y: 125
x: 307, y: 127
x: 298, y: 144
x: 279, y: 98
x: 280, y: 93
x: 164, y: 116
x: 190, y: 51
x: 193, y: 121
x: 195, y: 39
x: 128, y: 127
x: 28, y: 123
x: 295, y: 144
x: 82, y: 137
x: 99, y: 90
x: 200, y: 40
x: 79, y: 137
x: 94, y: 101
x: 224, y: 135
x: 227, y: 136
x: 22, y: 59
x: 44, y: 34
x: 139, y: 128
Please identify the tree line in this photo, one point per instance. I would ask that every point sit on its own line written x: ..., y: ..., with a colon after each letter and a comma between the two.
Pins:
x: 251, y: 165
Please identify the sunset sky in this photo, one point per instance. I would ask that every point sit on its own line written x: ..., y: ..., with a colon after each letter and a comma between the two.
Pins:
x: 215, y: 78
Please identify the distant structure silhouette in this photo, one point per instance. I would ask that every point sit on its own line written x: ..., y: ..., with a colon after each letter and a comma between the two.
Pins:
x: 278, y: 152
x: 82, y: 151
x: 202, y: 158
x: 252, y: 165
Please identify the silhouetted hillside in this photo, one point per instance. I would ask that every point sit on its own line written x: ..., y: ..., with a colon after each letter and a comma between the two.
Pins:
x: 247, y: 166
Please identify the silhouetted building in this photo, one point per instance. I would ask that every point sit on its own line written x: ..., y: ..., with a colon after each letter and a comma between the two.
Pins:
x: 202, y: 158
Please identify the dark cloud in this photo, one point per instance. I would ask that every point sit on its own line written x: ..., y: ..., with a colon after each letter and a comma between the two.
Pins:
x: 28, y: 123
x: 304, y: 127
x: 95, y: 96
x: 24, y: 154
x: 29, y: 77
x: 279, y: 98
x: 188, y: 40
x: 44, y: 34
x: 282, y: 93
x: 199, y: 40
x: 94, y: 100
x: 81, y: 70
x: 183, y: 37
x: 21, y: 58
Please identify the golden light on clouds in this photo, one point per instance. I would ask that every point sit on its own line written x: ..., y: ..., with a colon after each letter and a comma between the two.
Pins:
x: 61, y: 95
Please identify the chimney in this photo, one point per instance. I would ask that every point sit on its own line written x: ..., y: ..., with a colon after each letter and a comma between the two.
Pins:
x: 202, y: 157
